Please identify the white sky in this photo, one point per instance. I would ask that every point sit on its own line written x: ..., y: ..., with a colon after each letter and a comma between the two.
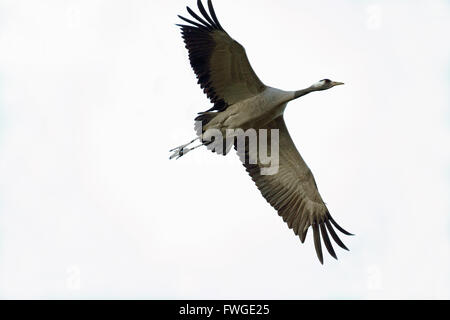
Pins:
x: 93, y: 94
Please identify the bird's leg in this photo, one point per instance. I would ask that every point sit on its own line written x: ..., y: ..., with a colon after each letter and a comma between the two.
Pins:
x: 180, y: 151
x: 184, y: 145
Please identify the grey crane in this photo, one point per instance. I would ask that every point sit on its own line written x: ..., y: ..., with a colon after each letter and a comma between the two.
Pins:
x: 241, y: 100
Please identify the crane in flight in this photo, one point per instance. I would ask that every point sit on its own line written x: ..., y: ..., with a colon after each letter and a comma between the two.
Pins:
x: 241, y: 100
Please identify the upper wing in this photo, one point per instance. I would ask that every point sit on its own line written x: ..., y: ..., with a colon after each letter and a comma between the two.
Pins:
x: 293, y: 192
x: 220, y: 63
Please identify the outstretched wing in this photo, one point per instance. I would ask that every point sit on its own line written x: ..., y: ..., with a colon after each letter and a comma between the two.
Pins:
x: 292, y: 191
x: 220, y: 63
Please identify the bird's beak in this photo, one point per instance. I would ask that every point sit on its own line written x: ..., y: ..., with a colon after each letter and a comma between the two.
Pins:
x: 334, y: 84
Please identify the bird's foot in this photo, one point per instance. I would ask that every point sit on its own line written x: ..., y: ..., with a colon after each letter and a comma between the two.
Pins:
x: 180, y: 151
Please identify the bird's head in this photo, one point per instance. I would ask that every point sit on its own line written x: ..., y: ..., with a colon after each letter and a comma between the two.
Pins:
x: 325, y: 84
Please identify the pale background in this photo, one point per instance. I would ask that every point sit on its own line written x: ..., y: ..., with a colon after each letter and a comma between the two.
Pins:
x: 93, y: 94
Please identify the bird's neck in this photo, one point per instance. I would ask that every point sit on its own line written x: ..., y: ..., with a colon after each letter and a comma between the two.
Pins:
x: 303, y: 92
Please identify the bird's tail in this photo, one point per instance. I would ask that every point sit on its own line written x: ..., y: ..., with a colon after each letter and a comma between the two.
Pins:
x: 216, y: 143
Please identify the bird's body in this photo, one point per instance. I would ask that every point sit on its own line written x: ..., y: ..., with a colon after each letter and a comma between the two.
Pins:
x: 253, y: 112
x: 242, y: 101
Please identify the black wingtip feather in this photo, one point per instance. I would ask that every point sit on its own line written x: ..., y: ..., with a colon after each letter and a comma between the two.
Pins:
x: 205, y: 14
x: 317, y: 243
x: 335, y: 236
x: 213, y: 15
x: 211, y: 23
x: 198, y: 25
x: 199, y: 19
x: 326, y: 241
x: 340, y: 228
